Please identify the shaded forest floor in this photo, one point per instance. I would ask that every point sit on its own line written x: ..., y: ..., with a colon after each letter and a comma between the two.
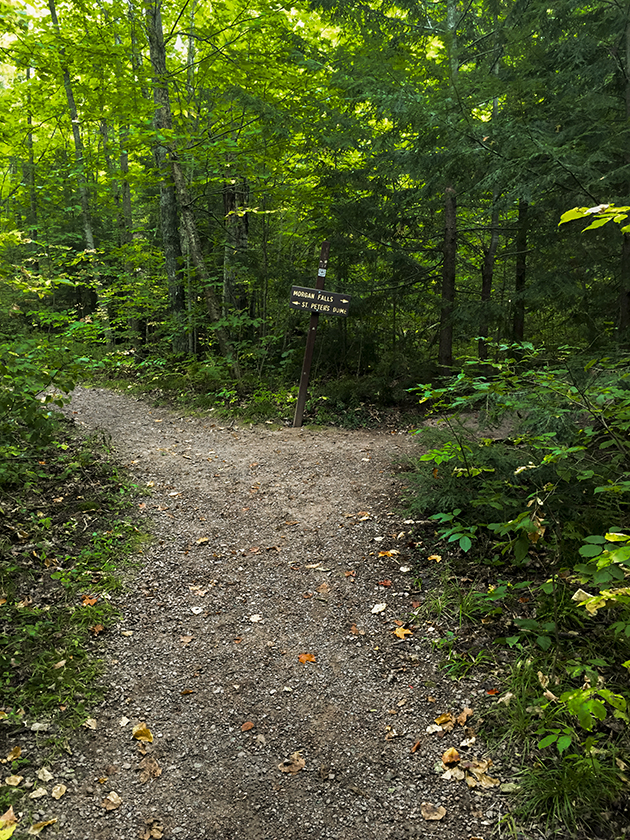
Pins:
x: 262, y: 644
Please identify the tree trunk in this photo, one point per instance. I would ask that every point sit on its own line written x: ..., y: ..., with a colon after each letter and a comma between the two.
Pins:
x: 169, y: 221
x: 490, y: 253
x: 235, y: 198
x: 196, y: 256
x: 81, y: 179
x: 445, y: 353
x: 76, y: 134
x: 518, y: 322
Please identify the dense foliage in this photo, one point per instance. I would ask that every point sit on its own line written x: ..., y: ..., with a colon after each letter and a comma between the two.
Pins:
x: 170, y: 170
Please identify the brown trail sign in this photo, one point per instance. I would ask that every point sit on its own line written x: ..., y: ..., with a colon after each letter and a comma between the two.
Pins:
x: 316, y: 301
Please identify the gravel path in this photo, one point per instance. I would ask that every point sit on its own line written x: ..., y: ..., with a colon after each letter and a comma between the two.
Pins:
x: 267, y: 546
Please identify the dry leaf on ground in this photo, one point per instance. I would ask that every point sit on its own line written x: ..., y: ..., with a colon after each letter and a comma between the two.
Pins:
x: 451, y: 756
x: 111, y: 801
x: 401, y: 632
x: 153, y: 830
x: 8, y: 818
x: 432, y: 812
x: 44, y: 774
x: 38, y: 793
x: 37, y: 827
x: 463, y: 716
x: 379, y: 608
x: 306, y: 657
x: 149, y: 769
x: 13, y: 781
x: 186, y: 640
x: 247, y: 726
x: 90, y: 723
x: 293, y: 764
x: 16, y: 752
x: 141, y: 732
x: 58, y: 791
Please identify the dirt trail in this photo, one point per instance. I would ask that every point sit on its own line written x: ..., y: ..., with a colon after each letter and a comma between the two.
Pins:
x: 257, y: 531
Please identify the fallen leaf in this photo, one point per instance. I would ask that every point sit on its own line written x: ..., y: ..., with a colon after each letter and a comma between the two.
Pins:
x: 506, y: 698
x: 196, y: 610
x: 293, y: 764
x: 306, y: 657
x: 401, y: 632
x: 454, y: 773
x: 445, y: 718
x: 354, y: 630
x: 415, y: 746
x: 463, y: 716
x: 431, y: 812
x: 97, y: 628
x: 187, y: 691
x: 433, y: 727
x: 391, y: 553
x: 37, y: 827
x: 149, y: 769
x: 59, y: 664
x: 379, y: 608
x: 384, y: 583
x: 438, y: 559
x: 90, y: 723
x: 126, y: 632
x: 247, y: 726
x: 431, y: 699
x: 123, y: 721
x: 543, y: 680
x: 141, y: 732
x: 111, y: 801
x: 350, y: 573
x: 13, y: 781
x: 324, y: 588
x: 38, y: 793
x: 89, y: 600
x: 44, y: 774
x: 255, y: 618
x: 16, y: 752
x: 58, y: 791
x: 451, y: 756
x: 186, y: 640
x: 202, y: 540
x: 492, y: 691
x: 8, y: 818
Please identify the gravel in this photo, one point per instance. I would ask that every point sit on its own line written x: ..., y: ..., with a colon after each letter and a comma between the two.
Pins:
x: 256, y: 530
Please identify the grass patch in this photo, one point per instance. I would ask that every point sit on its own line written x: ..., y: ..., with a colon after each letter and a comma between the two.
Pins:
x: 62, y: 540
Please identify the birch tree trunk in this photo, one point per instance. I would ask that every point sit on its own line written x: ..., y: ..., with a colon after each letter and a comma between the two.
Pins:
x: 169, y: 221
x: 79, y: 157
x: 169, y: 155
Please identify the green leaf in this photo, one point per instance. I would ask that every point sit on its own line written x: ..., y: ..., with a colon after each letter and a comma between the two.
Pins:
x: 564, y: 741
x: 544, y: 642
x: 547, y: 741
x: 590, y: 550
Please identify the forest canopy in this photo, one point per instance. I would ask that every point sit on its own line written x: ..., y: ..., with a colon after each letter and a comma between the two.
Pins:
x: 170, y: 170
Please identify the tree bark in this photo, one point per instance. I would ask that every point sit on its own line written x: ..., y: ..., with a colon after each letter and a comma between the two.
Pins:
x: 235, y: 198
x: 84, y: 196
x: 445, y: 352
x: 169, y: 220
x: 518, y: 321
x: 490, y: 253
x: 76, y: 134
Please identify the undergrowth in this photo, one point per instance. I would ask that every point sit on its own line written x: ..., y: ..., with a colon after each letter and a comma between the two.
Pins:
x: 526, y: 479
x: 64, y: 536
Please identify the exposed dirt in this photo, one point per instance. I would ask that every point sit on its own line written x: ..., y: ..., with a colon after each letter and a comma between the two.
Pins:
x: 267, y: 546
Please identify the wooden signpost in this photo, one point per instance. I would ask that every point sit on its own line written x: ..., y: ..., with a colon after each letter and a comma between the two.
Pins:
x: 316, y: 301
